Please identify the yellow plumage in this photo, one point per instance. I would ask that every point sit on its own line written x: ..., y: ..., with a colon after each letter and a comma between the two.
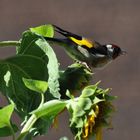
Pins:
x: 84, y: 42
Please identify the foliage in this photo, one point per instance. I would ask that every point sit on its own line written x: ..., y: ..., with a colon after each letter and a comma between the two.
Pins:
x: 37, y: 90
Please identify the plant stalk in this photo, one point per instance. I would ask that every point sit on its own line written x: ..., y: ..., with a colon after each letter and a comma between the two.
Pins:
x: 27, y: 127
x: 30, y: 122
x: 13, y: 133
x: 9, y: 43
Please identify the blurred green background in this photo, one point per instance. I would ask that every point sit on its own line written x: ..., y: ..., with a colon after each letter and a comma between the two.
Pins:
x: 107, y: 21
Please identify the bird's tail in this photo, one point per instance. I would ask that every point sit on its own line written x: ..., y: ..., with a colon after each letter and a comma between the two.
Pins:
x: 60, y: 42
x: 66, y: 33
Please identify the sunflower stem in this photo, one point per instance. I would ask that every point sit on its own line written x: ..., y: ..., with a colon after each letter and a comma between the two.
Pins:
x: 9, y: 43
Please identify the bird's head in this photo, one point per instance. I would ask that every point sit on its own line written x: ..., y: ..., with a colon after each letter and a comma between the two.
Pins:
x: 114, y: 51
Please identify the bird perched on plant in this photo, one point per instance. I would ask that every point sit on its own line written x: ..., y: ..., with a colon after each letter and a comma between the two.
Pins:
x: 83, y: 50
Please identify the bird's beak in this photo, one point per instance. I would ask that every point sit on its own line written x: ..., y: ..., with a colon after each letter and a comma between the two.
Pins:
x: 123, y: 52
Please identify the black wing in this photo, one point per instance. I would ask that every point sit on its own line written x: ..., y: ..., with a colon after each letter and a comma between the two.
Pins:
x: 98, y: 49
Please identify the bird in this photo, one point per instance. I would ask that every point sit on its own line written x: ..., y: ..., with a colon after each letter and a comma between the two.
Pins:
x: 85, y: 51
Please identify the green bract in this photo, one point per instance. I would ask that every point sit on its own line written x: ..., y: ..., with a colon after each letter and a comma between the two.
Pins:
x: 83, y: 108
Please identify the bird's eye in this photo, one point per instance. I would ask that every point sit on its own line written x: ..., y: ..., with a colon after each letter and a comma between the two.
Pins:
x: 116, y: 52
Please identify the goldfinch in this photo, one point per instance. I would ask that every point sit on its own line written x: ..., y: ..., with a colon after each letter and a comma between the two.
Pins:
x: 83, y: 50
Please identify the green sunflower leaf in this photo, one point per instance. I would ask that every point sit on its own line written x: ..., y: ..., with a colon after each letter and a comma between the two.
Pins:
x: 44, y: 30
x: 36, y: 85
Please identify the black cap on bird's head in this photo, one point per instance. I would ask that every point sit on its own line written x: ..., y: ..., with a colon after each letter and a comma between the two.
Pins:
x: 114, y: 51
